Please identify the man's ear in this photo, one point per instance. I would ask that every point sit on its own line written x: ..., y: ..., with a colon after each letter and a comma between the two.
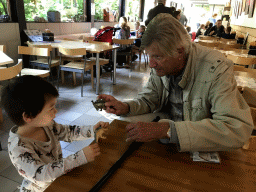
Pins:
x: 26, y: 118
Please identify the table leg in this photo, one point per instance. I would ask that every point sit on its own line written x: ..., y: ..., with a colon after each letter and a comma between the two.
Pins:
x: 97, y: 74
x: 114, y: 70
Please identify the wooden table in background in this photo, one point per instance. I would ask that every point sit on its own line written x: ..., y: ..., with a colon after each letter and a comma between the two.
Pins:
x: 158, y: 167
x: 92, y: 48
x: 5, y: 59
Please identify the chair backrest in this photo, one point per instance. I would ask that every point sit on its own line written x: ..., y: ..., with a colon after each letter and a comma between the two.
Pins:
x: 249, y: 96
x: 36, y: 51
x: 10, y: 72
x: 123, y: 41
x: 224, y: 45
x: 39, y: 46
x: 213, y: 44
x: 99, y: 42
x: 207, y: 38
x: 85, y: 38
x: 242, y: 60
x: 3, y: 48
x: 253, y: 113
x: 73, y: 51
x: 238, y: 68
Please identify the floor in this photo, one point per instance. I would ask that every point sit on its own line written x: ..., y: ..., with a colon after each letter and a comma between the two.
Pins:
x: 74, y: 109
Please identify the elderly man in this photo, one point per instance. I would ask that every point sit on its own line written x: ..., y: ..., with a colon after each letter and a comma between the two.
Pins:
x: 194, y: 86
x: 160, y: 8
x: 217, y: 29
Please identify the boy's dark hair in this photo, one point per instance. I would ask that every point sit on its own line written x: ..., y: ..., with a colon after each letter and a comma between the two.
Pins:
x: 26, y: 94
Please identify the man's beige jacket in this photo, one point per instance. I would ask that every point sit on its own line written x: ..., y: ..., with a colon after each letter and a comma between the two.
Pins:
x: 216, y: 117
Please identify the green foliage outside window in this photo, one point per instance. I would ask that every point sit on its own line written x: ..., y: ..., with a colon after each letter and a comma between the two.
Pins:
x: 40, y: 8
x: 3, y: 7
x: 102, y: 4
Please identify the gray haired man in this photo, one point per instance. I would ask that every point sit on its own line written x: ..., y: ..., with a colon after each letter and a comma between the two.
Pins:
x: 194, y: 86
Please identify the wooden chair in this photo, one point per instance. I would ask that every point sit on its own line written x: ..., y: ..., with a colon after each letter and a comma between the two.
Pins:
x: 14, y: 71
x: 3, y: 48
x: 226, y: 46
x: 126, y: 42
x: 77, y: 67
x: 45, y: 52
x: 239, y: 60
x: 212, y: 44
x: 250, y: 97
x: 239, y: 68
x: 140, y: 51
x: 206, y: 37
x: 86, y: 39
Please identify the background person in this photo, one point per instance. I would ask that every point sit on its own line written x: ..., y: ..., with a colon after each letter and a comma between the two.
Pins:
x: 207, y: 31
x: 183, y: 19
x: 218, y: 29
x: 194, y: 86
x: 160, y: 8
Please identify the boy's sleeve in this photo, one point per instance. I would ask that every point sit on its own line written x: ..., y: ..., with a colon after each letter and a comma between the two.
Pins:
x: 29, y: 164
x: 71, y: 133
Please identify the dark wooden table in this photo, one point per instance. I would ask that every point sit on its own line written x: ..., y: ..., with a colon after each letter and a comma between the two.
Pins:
x: 158, y: 167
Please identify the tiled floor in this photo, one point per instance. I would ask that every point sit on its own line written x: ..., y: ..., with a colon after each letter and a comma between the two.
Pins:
x: 74, y: 109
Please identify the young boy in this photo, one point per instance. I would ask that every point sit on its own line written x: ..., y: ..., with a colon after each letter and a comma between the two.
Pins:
x: 34, y: 143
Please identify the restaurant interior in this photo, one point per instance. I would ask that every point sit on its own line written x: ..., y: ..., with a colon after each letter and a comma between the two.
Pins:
x: 74, y: 24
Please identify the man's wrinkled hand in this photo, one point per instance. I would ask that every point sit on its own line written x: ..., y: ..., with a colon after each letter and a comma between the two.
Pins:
x: 146, y: 132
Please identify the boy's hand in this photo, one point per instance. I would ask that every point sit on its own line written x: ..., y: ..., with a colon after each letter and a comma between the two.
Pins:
x: 101, y: 132
x: 101, y: 124
x: 91, y: 152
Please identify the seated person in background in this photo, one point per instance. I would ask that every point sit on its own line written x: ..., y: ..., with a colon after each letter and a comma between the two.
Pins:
x: 207, y: 31
x: 137, y: 42
x: 139, y: 35
x: 34, y: 142
x: 194, y: 87
x: 201, y: 30
x: 177, y: 15
x: 124, y: 32
x: 207, y: 25
x: 217, y: 29
x: 137, y: 26
x: 227, y: 34
x: 192, y: 35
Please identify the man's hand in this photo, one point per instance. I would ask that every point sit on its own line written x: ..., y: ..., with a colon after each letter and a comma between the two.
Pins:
x: 211, y: 32
x: 114, y: 106
x: 91, y: 152
x: 145, y: 132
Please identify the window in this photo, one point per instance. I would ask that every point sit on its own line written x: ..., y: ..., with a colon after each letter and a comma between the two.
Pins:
x: 111, y: 5
x: 4, y: 11
x: 132, y: 9
x: 70, y: 10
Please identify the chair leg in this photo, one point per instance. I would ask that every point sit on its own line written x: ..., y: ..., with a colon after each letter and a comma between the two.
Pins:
x: 82, y: 87
x: 62, y: 77
x: 74, y: 78
x: 139, y: 57
x: 92, y: 79
x: 1, y: 116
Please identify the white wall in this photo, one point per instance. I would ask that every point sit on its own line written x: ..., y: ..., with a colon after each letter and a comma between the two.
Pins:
x: 62, y: 28
x: 243, y: 20
x: 9, y: 36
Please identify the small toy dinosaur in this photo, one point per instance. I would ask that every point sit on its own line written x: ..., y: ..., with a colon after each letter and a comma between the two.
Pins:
x: 99, y: 132
x: 99, y: 104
